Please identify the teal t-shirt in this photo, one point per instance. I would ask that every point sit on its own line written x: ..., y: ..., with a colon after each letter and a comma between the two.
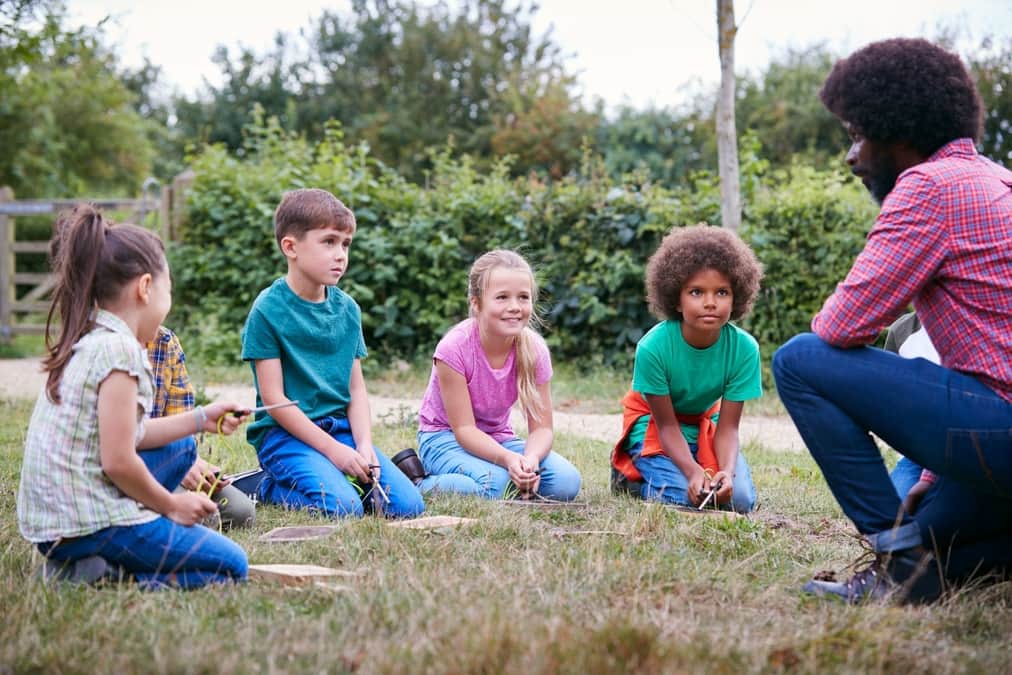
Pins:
x: 694, y: 378
x: 317, y: 343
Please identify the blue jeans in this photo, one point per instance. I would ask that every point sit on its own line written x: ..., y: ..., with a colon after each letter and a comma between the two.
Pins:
x: 297, y: 476
x: 664, y: 482
x: 161, y: 553
x: 904, y: 475
x: 942, y: 420
x: 441, y: 454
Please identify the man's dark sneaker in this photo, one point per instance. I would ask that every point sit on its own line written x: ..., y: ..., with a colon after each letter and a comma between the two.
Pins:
x: 91, y: 570
x: 910, y: 575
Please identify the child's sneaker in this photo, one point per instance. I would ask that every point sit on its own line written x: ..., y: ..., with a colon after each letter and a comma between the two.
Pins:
x: 910, y: 575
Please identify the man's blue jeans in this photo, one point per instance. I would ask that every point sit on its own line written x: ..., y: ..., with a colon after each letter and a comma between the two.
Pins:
x: 161, y: 553
x: 942, y: 420
x: 443, y: 456
x: 299, y: 477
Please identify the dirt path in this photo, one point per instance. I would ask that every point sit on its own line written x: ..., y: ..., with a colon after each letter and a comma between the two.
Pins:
x: 22, y: 378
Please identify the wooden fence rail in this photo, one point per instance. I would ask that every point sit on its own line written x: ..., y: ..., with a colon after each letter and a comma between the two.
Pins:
x: 34, y: 300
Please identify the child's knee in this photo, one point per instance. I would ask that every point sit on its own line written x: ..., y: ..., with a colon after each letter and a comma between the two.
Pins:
x: 565, y: 485
x: 743, y: 499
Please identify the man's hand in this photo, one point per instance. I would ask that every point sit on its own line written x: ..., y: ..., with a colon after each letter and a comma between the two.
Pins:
x: 915, y: 495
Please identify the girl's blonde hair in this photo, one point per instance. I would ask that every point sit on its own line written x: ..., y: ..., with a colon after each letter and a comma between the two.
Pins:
x: 526, y: 358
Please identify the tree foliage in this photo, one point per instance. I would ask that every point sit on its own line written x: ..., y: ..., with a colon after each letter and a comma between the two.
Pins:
x: 402, y: 78
x: 67, y: 122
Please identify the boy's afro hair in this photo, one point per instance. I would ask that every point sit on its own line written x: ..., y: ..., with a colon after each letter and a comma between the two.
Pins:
x: 687, y: 250
x: 905, y: 90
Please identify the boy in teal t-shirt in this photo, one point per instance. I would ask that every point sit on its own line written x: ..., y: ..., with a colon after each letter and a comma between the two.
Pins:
x: 303, y: 339
x: 693, y: 372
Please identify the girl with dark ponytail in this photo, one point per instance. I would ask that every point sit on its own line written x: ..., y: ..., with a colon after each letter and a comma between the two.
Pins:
x: 86, y: 498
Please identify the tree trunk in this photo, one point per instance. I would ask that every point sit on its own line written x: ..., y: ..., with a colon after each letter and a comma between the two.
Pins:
x: 727, y: 137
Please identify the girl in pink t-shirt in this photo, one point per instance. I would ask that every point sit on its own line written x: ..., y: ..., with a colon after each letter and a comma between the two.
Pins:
x: 481, y: 368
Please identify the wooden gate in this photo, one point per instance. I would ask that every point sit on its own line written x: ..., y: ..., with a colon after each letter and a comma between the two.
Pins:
x: 34, y: 301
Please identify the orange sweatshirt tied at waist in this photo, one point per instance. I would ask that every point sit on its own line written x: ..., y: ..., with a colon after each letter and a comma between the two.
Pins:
x: 634, y: 406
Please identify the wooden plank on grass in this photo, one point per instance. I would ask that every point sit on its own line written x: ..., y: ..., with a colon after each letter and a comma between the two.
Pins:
x: 432, y: 522
x: 299, y: 533
x: 297, y: 574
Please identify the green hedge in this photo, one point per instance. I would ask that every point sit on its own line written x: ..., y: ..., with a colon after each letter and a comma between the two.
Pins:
x: 587, y: 235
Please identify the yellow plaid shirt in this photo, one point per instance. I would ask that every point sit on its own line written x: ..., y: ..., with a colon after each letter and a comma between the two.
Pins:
x: 173, y: 392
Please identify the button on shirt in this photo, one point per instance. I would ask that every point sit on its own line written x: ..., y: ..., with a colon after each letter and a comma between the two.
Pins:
x: 63, y: 491
x: 943, y: 241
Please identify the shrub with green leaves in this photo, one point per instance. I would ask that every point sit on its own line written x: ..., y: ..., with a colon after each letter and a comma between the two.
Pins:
x: 587, y: 235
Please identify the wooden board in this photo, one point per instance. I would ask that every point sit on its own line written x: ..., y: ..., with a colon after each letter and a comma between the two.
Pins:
x: 692, y: 510
x: 432, y: 522
x: 299, y: 533
x: 296, y: 574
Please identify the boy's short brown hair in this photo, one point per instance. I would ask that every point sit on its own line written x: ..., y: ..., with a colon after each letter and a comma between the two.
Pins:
x: 310, y: 209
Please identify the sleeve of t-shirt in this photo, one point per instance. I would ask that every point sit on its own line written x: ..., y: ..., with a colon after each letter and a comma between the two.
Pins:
x: 121, y: 353
x: 543, y: 364
x: 259, y: 341
x: 745, y: 382
x: 451, y: 350
x: 360, y: 351
x: 649, y: 376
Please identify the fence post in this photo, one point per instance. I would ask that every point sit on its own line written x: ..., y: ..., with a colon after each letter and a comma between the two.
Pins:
x: 6, y: 267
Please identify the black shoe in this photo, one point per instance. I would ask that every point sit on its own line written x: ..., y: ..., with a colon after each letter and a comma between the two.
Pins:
x: 248, y: 482
x: 908, y: 576
x: 410, y: 465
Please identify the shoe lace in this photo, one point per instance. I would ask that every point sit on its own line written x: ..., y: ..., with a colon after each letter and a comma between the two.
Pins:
x: 868, y: 571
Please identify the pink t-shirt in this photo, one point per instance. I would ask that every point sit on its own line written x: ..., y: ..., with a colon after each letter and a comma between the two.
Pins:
x: 493, y: 390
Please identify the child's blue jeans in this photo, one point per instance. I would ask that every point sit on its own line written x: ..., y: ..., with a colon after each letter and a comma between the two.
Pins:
x: 664, y: 482
x: 941, y: 419
x: 161, y: 553
x: 441, y: 454
x: 297, y: 476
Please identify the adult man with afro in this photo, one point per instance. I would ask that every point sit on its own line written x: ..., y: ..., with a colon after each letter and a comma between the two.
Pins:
x: 942, y: 241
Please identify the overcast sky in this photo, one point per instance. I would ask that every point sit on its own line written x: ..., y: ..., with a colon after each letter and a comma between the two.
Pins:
x: 639, y: 52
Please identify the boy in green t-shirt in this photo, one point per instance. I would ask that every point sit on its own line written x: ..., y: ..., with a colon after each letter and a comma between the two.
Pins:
x: 303, y: 339
x: 693, y: 373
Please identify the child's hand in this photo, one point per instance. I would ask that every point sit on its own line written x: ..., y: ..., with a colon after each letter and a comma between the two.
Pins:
x: 218, y: 418
x: 353, y: 464
x: 521, y: 473
x: 915, y: 495
x: 204, y: 477
x: 374, y: 466
x: 189, y: 508
x: 698, y: 483
x: 726, y: 490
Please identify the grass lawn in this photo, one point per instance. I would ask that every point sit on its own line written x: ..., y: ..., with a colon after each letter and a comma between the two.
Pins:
x: 617, y: 586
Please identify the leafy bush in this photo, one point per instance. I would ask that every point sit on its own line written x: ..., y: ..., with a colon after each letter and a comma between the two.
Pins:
x: 587, y: 235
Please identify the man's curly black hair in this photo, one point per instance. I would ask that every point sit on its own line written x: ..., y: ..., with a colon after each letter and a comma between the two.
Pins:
x: 687, y: 250
x: 905, y: 90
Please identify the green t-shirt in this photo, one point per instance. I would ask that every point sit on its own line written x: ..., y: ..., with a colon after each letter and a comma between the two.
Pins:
x: 694, y: 378
x: 317, y: 343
